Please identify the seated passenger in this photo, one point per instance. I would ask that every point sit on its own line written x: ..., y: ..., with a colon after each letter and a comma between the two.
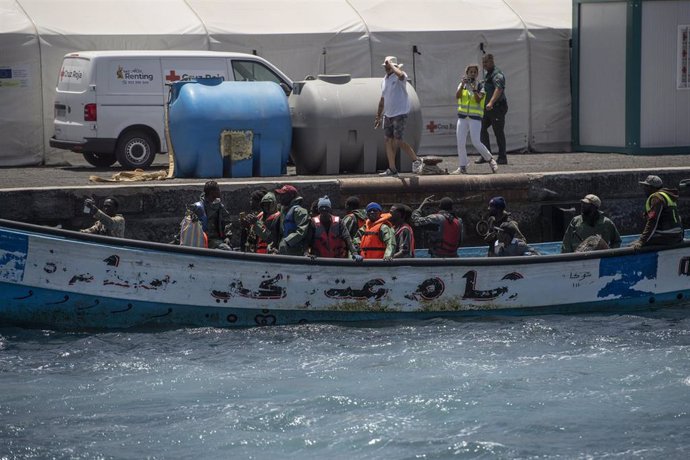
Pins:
x: 446, y: 228
x: 327, y: 236
x: 108, y: 221
x: 354, y: 216
x: 508, y: 243
x: 191, y: 232
x: 213, y: 216
x: 498, y: 215
x: 404, y: 235
x: 590, y: 222
x: 376, y: 237
x: 264, y: 228
x: 248, y: 238
x: 294, y: 221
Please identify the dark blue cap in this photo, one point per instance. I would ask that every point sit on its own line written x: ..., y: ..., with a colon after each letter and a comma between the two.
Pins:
x: 375, y: 206
x: 498, y: 202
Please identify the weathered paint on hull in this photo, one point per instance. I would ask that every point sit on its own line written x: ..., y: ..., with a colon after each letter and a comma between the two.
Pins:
x: 53, y: 309
x: 53, y: 278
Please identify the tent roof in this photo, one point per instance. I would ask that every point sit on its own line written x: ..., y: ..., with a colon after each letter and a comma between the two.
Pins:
x: 110, y: 17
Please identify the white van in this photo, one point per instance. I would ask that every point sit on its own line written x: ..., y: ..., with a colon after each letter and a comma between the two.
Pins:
x: 109, y: 105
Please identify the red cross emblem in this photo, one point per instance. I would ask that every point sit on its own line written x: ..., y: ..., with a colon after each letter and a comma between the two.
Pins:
x: 431, y: 126
x: 172, y: 76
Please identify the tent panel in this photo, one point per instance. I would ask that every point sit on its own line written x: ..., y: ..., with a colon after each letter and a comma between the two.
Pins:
x: 21, y: 123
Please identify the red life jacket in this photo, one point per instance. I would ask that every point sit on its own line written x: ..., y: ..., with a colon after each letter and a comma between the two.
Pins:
x: 372, y: 246
x: 328, y: 244
x: 399, y: 230
x: 450, y: 238
x: 261, y: 245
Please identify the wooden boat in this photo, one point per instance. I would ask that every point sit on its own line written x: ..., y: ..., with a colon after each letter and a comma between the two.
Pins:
x: 62, y: 279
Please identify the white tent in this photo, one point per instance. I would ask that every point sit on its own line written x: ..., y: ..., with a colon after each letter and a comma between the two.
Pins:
x: 529, y: 39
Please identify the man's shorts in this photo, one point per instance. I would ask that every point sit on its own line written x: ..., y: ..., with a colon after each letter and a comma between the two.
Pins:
x: 394, y: 127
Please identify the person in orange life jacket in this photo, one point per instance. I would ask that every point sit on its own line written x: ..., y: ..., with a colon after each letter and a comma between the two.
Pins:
x: 294, y: 221
x: 213, y: 216
x: 376, y: 237
x: 327, y: 236
x: 446, y: 228
x: 354, y: 215
x: 497, y: 216
x: 266, y: 225
x: 404, y: 235
x: 663, y: 225
x: 248, y: 238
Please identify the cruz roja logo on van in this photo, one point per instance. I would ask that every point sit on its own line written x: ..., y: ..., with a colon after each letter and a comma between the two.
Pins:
x: 133, y: 76
x: 70, y: 74
x: 174, y: 76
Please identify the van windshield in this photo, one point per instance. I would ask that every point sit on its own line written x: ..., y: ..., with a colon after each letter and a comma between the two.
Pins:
x: 73, y: 75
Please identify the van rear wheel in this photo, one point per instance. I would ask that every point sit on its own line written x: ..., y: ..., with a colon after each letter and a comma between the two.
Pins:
x: 101, y: 160
x: 135, y: 149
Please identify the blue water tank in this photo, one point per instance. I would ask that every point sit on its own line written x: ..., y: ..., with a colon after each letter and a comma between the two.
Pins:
x: 229, y: 129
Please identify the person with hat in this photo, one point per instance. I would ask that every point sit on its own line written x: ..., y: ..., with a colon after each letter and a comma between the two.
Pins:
x: 327, y: 236
x: 376, y: 237
x: 294, y: 221
x: 497, y: 216
x: 445, y: 227
x: 508, y: 244
x: 355, y: 216
x: 589, y: 223
x: 404, y: 235
x: 663, y: 225
x: 394, y: 106
x: 265, y: 226
x: 108, y: 221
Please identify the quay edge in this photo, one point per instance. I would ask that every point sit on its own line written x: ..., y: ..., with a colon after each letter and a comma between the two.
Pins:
x: 543, y: 203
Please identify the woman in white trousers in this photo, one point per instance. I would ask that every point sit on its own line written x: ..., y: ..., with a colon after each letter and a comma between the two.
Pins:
x: 471, y: 97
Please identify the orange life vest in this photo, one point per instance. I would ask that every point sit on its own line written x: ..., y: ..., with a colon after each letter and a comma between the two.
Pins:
x: 371, y: 245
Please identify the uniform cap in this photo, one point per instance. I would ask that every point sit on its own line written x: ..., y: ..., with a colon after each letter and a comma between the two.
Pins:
x: 652, y: 181
x: 592, y: 199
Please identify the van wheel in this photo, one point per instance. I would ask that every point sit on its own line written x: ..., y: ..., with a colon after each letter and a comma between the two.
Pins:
x: 101, y: 160
x: 135, y: 149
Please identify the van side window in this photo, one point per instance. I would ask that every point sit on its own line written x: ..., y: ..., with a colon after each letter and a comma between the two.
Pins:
x: 253, y: 71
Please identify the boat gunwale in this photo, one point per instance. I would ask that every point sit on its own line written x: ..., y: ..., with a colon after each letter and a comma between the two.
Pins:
x: 124, y: 243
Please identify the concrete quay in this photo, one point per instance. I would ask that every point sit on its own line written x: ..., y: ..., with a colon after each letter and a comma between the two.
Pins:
x: 542, y: 190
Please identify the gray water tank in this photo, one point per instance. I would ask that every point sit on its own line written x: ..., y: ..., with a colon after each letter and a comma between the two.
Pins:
x: 333, y: 126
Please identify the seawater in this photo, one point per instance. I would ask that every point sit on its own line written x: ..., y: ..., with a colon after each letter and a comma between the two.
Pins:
x: 538, y: 387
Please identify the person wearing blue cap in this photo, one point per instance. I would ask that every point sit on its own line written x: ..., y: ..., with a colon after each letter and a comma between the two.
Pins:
x: 327, y: 236
x: 497, y: 216
x: 376, y: 237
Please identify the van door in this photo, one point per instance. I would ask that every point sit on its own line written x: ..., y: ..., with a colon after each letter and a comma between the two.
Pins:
x: 75, y: 101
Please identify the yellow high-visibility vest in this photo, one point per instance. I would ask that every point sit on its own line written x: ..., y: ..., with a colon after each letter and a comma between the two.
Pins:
x: 467, y: 105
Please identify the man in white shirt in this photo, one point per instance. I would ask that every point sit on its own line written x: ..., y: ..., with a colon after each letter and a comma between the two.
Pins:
x: 394, y: 107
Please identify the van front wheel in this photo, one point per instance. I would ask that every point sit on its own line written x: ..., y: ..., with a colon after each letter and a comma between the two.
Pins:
x: 100, y: 160
x: 135, y: 149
